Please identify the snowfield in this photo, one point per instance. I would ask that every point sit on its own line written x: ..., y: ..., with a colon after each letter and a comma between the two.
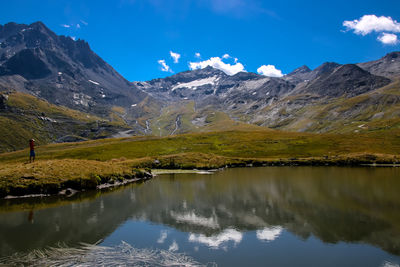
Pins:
x: 196, y: 83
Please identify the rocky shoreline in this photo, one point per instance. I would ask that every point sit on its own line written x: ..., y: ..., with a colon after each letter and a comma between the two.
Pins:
x: 72, y: 187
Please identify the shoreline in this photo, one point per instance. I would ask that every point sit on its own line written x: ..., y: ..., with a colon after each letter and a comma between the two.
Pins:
x: 68, y: 192
x: 130, y: 171
x: 54, y: 177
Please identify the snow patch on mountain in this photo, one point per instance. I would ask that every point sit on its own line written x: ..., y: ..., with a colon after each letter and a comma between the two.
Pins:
x: 96, y: 83
x: 196, y: 83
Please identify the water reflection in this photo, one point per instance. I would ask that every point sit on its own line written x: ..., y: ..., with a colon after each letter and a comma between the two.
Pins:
x: 356, y: 205
x: 269, y: 233
x: 192, y: 218
x: 218, y: 240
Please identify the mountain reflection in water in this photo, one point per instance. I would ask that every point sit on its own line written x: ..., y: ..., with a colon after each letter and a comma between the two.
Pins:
x: 354, y: 205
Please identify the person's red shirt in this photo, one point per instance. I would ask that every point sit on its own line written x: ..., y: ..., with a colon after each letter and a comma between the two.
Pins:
x: 32, y: 145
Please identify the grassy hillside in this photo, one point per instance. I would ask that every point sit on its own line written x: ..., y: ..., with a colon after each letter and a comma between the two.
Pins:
x: 23, y: 116
x: 235, y: 144
x: 184, y: 117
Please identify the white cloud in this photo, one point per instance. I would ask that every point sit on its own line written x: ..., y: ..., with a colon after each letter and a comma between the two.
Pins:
x: 217, y: 63
x: 175, y: 56
x: 269, y: 234
x: 78, y: 26
x: 73, y: 38
x: 164, y: 66
x: 65, y: 25
x: 370, y: 23
x: 197, y: 55
x: 84, y: 22
x: 388, y: 38
x: 269, y: 70
x: 226, y: 56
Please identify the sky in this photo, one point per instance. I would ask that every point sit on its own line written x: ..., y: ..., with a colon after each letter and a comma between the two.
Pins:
x: 147, y: 39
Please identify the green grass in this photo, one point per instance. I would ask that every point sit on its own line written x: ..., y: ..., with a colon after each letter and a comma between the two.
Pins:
x: 31, y: 104
x: 51, y: 176
x: 237, y: 144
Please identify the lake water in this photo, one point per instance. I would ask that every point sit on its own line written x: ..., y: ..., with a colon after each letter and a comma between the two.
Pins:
x: 272, y: 216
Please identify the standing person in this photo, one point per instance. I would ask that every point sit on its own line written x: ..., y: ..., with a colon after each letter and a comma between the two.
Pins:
x: 32, y: 150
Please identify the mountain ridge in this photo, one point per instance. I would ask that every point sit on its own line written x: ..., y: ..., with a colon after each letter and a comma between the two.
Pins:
x: 59, y: 61
x: 66, y: 72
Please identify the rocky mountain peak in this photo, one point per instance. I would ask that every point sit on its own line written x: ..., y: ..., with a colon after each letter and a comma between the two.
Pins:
x: 209, y: 70
x: 326, y: 67
x: 9, y: 29
x: 299, y: 75
x: 300, y: 70
x: 245, y: 76
x: 393, y: 56
x: 189, y: 76
x: 345, y: 80
x: 350, y: 68
x: 387, y: 66
x: 40, y: 26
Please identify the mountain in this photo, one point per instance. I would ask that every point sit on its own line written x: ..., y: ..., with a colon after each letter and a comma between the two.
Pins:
x: 67, y: 75
x: 339, y: 98
x: 205, y: 97
x: 388, y: 66
x: 296, y: 101
x: 65, y: 72
x: 210, y: 86
x: 299, y: 75
x: 338, y: 80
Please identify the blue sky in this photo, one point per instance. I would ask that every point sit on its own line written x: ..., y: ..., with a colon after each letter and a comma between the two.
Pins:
x: 137, y: 36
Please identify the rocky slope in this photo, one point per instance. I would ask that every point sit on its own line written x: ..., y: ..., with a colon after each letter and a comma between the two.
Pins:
x: 65, y: 72
x: 301, y: 101
x: 388, y: 66
x: 345, y: 80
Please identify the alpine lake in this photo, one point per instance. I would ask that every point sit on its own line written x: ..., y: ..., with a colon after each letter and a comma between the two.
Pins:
x: 264, y: 216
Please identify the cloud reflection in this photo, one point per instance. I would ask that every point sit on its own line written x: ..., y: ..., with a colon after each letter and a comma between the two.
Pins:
x: 216, y: 241
x: 192, y: 218
x: 163, y: 236
x: 269, y: 233
x: 390, y: 264
x: 173, y: 247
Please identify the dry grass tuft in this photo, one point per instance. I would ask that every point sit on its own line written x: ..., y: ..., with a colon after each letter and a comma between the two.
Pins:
x: 95, y: 255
